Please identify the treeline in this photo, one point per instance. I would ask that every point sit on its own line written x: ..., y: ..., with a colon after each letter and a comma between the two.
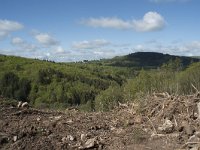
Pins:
x: 13, y: 87
x: 91, y: 86
x: 170, y: 78
x: 53, y: 85
x: 52, y: 88
x: 147, y: 60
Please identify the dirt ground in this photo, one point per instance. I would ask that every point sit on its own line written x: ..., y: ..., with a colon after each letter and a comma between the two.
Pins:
x: 166, y: 123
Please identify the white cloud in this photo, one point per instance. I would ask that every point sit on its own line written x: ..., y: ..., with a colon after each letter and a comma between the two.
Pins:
x: 17, y: 41
x: 23, y: 45
x: 90, y: 44
x: 7, y: 26
x: 45, y: 39
x: 166, y: 1
x: 59, y: 49
x: 3, y: 34
x: 183, y: 48
x: 151, y: 21
x: 108, y: 23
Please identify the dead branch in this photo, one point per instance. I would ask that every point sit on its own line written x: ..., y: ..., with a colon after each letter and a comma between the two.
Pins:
x: 152, y: 125
x: 197, y: 91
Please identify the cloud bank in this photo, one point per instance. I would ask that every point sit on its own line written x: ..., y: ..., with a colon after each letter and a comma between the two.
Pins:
x: 94, y: 44
x: 191, y: 48
x: 46, y: 39
x: 151, y: 21
x: 23, y: 45
x: 7, y: 26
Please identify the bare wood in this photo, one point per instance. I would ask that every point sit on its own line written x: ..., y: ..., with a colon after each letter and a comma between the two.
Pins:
x: 195, y: 88
x: 152, y: 125
x: 189, y: 143
x: 198, y: 108
x: 175, y: 122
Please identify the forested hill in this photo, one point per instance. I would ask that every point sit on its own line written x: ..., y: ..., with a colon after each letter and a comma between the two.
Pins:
x: 85, y: 84
x: 50, y: 84
x: 147, y: 60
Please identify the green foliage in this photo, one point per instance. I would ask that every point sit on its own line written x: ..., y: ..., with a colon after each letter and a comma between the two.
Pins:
x: 147, y: 60
x: 173, y: 65
x: 95, y: 85
x: 189, y: 77
x: 13, y: 87
x: 45, y: 75
x: 50, y: 84
x: 167, y: 79
x: 109, y: 98
x: 9, y: 84
x: 154, y: 81
x: 24, y: 89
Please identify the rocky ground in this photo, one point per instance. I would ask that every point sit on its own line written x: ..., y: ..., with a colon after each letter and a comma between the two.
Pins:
x: 160, y: 122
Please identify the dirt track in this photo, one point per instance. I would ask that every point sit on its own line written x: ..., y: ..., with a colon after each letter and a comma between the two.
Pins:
x: 120, y: 129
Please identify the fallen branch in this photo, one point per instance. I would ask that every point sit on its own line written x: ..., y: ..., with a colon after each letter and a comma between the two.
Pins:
x: 175, y: 122
x: 152, y: 125
x: 197, y: 91
x: 189, y: 143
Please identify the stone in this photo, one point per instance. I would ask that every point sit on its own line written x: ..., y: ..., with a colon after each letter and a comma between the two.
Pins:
x: 167, y: 127
x: 15, y: 138
x: 70, y: 137
x: 70, y: 121
x: 38, y: 118
x: 57, y: 117
x: 90, y: 143
x: 19, y: 104
x: 83, y: 137
x: 25, y: 104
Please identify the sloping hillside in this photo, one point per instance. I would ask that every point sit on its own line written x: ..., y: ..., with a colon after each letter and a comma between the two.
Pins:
x: 146, y: 60
x: 55, y: 84
x: 61, y: 85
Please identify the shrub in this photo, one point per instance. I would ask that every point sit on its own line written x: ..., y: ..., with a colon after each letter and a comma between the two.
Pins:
x: 188, y: 77
x: 9, y: 84
x: 109, y: 98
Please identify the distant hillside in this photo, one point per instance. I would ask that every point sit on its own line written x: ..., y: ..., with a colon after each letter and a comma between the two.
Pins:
x: 198, y: 57
x: 50, y: 84
x: 84, y: 84
x: 146, y: 60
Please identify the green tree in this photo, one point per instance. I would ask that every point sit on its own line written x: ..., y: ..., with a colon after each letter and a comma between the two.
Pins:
x: 9, y: 84
x: 24, y: 89
x: 44, y: 77
x: 109, y: 98
x: 173, y: 65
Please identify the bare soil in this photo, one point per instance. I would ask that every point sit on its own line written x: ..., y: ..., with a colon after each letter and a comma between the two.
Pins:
x: 129, y: 126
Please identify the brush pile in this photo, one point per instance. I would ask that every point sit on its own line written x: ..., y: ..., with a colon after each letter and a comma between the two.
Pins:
x: 175, y: 117
x: 160, y: 121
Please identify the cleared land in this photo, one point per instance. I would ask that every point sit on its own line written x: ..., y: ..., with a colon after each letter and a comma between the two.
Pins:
x: 161, y: 122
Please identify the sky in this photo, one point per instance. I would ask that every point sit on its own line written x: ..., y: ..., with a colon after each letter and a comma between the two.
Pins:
x: 76, y: 30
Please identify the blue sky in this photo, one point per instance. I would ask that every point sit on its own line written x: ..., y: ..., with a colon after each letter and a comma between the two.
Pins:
x: 73, y: 30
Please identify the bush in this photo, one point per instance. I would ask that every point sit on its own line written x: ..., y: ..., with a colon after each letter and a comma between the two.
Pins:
x: 24, y: 89
x: 109, y: 98
x: 9, y: 85
x: 188, y: 77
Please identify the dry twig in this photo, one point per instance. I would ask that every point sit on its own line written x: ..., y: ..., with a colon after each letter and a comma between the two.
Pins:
x: 152, y: 125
